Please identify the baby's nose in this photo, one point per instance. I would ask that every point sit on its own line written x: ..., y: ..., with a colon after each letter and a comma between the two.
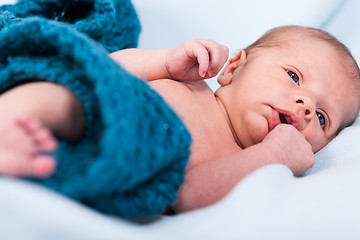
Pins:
x: 306, y: 110
x: 305, y: 104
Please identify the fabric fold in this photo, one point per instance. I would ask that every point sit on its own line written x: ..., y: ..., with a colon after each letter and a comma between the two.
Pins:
x: 113, y: 23
x: 132, y: 158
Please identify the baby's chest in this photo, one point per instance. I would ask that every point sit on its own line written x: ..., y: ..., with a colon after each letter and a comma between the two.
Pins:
x: 200, y: 113
x: 209, y: 144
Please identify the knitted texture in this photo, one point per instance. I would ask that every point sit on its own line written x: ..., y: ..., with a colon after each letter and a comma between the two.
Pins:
x: 113, y: 23
x: 132, y: 158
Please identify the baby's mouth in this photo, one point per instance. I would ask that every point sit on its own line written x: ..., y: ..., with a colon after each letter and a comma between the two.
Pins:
x: 280, y: 116
x: 283, y: 119
x: 288, y: 117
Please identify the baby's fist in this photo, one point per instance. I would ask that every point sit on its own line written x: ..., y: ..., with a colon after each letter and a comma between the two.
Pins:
x: 289, y: 147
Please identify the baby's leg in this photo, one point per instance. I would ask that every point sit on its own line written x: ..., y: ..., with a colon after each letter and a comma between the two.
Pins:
x: 50, y: 108
x: 24, y: 145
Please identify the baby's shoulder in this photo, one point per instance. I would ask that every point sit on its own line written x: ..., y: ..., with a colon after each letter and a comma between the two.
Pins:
x: 172, y: 87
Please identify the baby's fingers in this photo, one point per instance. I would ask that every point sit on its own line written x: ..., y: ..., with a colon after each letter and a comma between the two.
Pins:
x: 218, y: 55
x: 210, y: 56
x: 199, y: 52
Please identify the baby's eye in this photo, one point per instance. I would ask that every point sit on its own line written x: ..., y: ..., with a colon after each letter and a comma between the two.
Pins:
x: 293, y: 76
x: 321, y: 119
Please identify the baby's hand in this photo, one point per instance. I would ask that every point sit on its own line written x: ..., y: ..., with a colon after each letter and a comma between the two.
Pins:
x: 290, y: 148
x: 196, y: 60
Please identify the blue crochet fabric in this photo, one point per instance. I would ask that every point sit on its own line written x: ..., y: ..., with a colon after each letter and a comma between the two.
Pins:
x: 132, y: 158
x: 113, y: 23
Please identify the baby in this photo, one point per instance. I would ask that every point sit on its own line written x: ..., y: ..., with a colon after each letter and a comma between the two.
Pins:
x: 281, y: 99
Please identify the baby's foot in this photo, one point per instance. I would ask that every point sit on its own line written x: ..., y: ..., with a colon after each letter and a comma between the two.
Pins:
x: 24, y: 144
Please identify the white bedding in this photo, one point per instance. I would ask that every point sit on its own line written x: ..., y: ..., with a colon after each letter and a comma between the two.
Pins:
x: 268, y: 204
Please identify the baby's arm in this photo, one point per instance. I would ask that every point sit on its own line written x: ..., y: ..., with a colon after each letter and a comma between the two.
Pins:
x: 211, y: 181
x: 192, y: 60
x: 148, y: 64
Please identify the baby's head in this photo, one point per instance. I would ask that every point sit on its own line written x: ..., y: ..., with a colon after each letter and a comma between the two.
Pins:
x: 293, y: 75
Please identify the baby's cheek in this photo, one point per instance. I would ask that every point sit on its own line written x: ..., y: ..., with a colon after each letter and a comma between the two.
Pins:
x: 257, y: 128
x: 320, y: 144
x: 316, y: 139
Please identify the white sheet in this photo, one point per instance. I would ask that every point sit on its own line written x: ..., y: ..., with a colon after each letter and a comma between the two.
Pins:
x: 268, y: 204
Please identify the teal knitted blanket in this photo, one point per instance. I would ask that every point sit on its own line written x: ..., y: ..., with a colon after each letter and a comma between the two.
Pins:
x: 132, y: 158
x: 113, y: 23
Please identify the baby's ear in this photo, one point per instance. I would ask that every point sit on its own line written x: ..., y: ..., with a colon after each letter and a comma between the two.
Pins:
x: 234, y: 63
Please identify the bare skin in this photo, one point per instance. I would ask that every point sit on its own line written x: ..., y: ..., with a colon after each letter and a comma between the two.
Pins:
x: 32, y: 114
x: 286, y: 95
x: 235, y: 130
x: 24, y: 145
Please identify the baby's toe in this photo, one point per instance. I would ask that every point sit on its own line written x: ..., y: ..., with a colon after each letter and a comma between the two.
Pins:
x: 43, y: 166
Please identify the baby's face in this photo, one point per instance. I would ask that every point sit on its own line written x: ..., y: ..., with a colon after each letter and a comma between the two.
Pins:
x: 302, y: 85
